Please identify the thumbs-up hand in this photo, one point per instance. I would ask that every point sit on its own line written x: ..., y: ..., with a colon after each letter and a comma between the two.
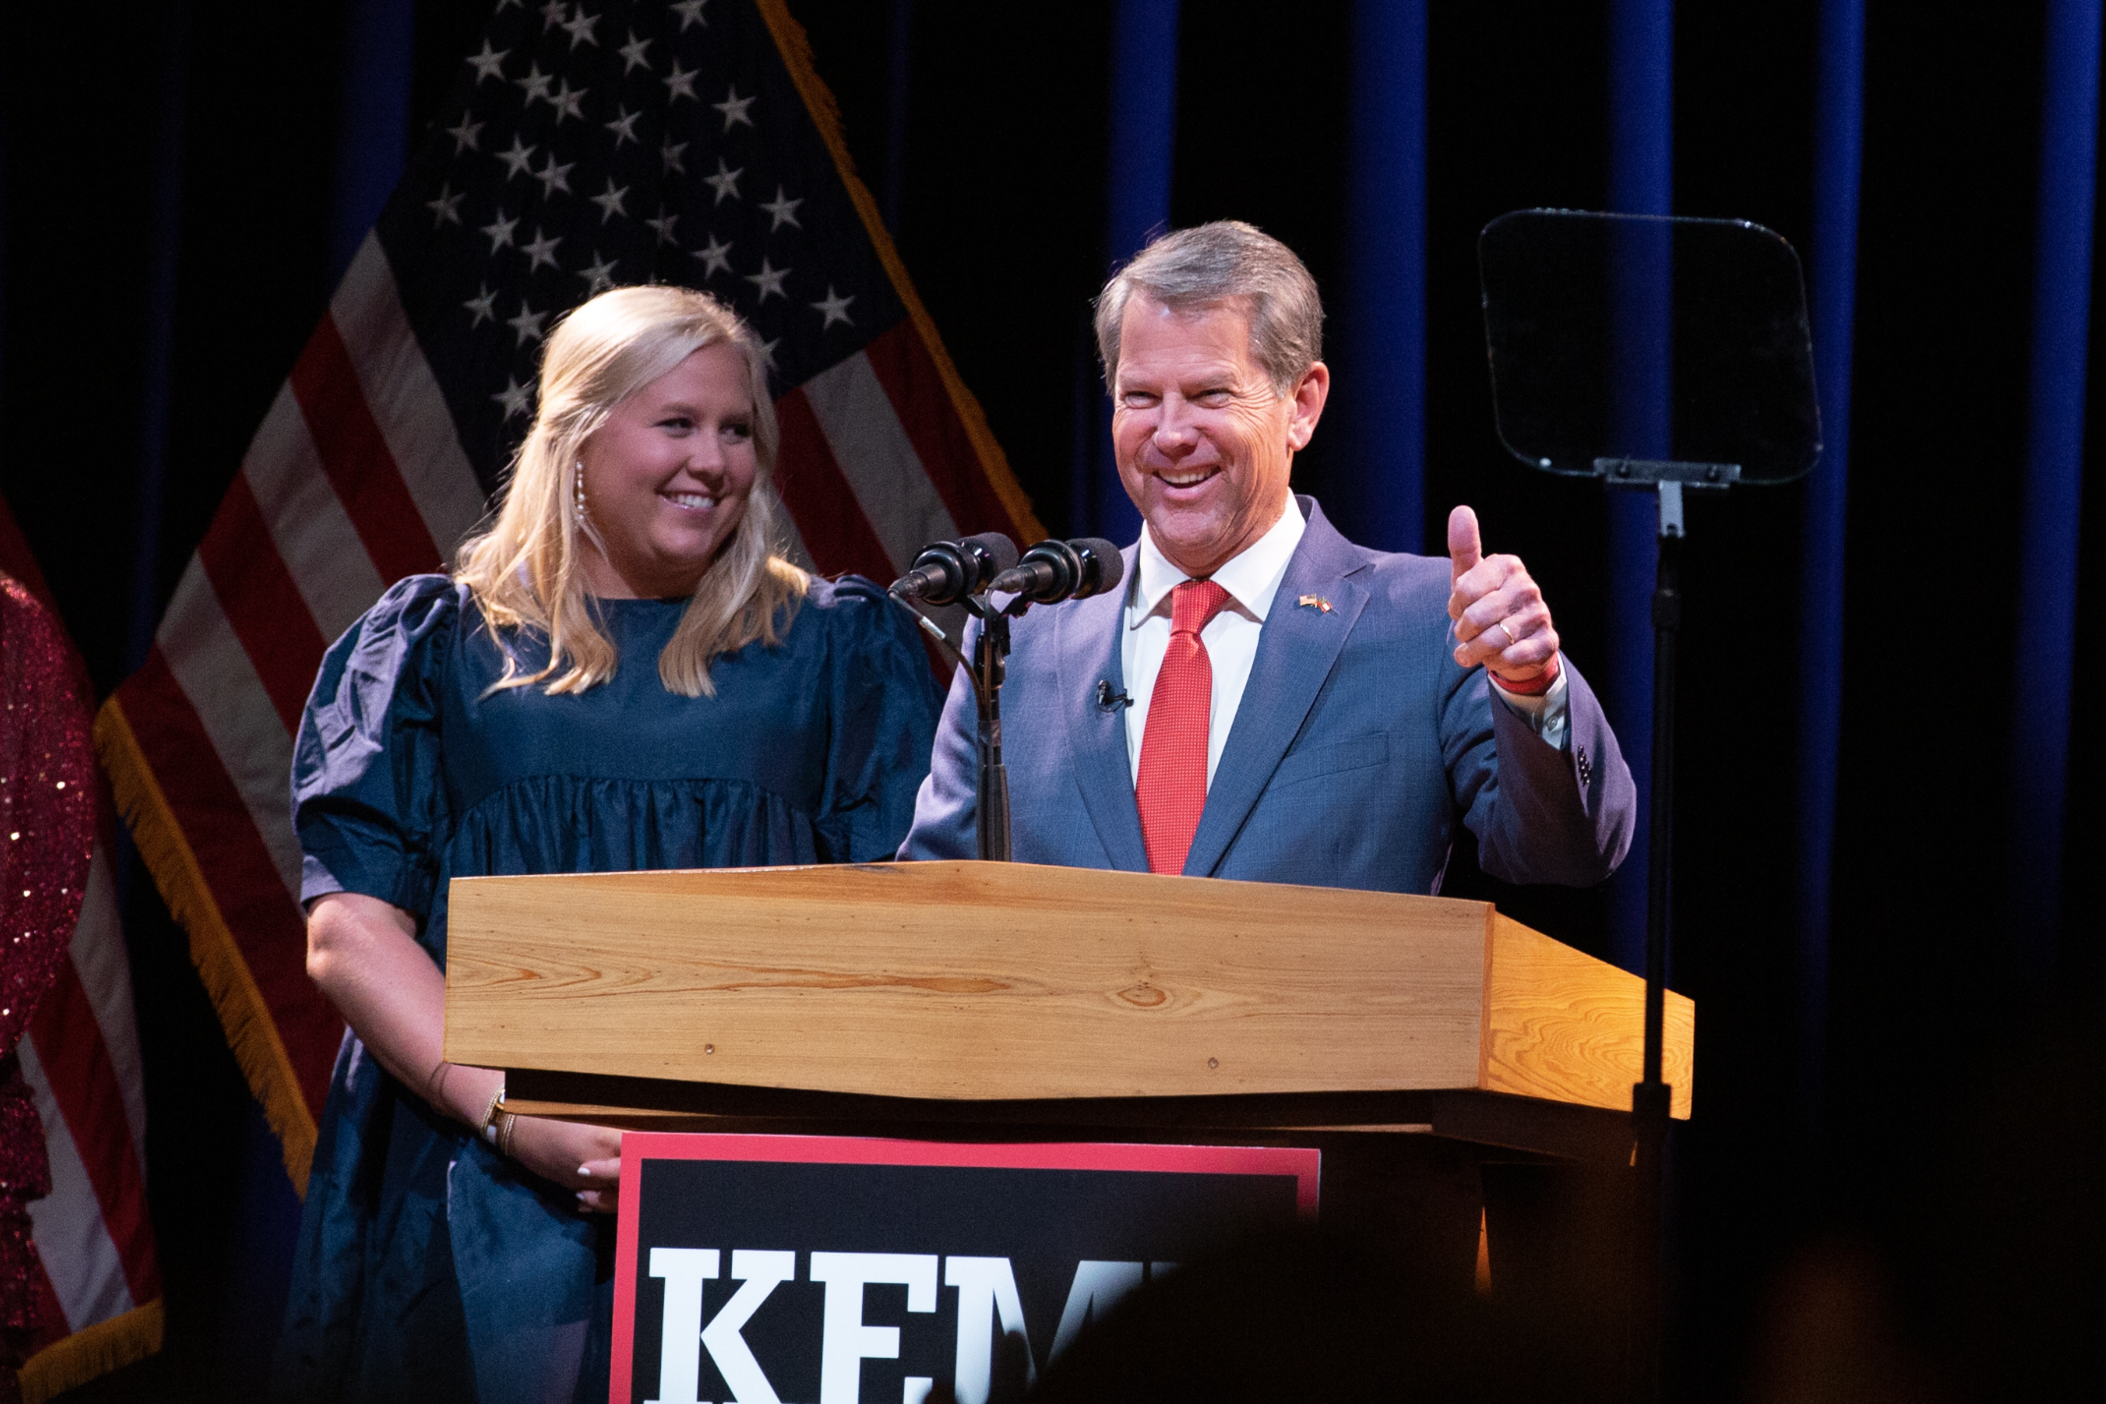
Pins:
x: 1500, y: 619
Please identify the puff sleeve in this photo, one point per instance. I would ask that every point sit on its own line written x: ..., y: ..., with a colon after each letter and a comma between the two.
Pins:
x: 368, y: 795
x: 882, y: 726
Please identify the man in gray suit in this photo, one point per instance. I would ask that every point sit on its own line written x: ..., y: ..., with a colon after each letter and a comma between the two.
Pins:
x: 1266, y: 700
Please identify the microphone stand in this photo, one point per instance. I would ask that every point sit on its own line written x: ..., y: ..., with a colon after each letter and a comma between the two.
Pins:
x: 1060, y: 570
x: 987, y: 669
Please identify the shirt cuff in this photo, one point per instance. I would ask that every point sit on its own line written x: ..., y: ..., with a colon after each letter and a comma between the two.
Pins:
x: 1545, y: 712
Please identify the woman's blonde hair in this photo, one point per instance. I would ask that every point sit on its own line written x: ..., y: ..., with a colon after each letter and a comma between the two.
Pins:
x: 525, y: 570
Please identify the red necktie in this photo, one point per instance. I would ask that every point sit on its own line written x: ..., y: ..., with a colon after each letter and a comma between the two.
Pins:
x: 1172, y: 788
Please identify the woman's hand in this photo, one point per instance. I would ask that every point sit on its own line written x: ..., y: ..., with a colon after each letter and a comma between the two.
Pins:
x: 583, y: 1159
x: 364, y: 954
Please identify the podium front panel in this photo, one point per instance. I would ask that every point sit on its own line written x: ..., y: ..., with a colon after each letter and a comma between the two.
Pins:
x: 967, y: 980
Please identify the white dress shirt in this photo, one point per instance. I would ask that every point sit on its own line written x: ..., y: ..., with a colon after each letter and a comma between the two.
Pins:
x: 1251, y: 578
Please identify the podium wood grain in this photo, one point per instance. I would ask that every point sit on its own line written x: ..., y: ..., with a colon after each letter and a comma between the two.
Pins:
x: 1564, y: 1026
x: 984, y: 981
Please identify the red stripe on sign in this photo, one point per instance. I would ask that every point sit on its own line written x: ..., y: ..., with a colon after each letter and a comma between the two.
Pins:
x: 265, y: 921
x: 262, y: 602
x: 356, y: 458
x: 834, y: 528
x: 84, y: 1083
x: 908, y: 373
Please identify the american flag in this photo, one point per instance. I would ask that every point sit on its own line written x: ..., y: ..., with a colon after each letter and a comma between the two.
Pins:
x: 584, y: 146
x: 101, y: 1287
x: 100, y: 1290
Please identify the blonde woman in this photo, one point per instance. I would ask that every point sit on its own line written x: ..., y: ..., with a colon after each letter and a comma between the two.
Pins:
x: 621, y: 674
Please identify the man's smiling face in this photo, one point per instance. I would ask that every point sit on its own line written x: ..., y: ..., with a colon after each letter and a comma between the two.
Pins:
x: 1204, y: 441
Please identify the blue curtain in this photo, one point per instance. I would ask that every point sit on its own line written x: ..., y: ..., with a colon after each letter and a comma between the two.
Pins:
x: 1641, y: 181
x: 2047, y: 544
x: 372, y: 138
x: 1143, y: 130
x: 1838, y: 144
x: 1377, y: 425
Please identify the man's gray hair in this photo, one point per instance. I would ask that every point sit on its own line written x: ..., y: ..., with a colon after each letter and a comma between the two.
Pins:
x: 1227, y: 261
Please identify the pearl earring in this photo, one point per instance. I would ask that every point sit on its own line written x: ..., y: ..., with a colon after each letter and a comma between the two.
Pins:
x: 578, y: 493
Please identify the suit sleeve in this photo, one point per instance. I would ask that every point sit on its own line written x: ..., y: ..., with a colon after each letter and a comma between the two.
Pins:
x: 946, y: 815
x: 1541, y: 815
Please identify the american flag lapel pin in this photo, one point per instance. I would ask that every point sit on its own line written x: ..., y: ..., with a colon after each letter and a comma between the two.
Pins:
x: 1314, y: 602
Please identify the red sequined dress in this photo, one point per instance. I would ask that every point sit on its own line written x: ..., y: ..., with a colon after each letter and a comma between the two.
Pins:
x: 47, y: 835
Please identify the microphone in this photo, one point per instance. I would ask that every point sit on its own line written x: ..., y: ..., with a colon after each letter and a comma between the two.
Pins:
x: 947, y: 571
x: 1053, y: 571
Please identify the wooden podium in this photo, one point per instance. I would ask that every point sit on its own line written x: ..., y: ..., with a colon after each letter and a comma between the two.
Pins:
x: 1015, y: 1002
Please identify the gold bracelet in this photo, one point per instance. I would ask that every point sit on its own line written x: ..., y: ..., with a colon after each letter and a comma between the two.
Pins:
x: 483, y: 1123
x: 506, y: 1124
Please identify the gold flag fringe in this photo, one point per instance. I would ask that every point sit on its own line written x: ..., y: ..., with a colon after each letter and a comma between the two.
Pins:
x: 251, y: 1032
x: 91, y: 1351
x: 796, y: 50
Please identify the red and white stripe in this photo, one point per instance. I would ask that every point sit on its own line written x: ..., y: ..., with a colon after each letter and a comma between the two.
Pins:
x: 355, y: 479
x: 876, y: 463
x: 81, y: 1060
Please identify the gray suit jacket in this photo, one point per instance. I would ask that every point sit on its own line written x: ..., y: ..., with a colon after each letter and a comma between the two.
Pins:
x: 1357, y: 748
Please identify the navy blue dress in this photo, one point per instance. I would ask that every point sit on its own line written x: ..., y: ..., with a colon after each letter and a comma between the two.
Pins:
x: 428, y: 1266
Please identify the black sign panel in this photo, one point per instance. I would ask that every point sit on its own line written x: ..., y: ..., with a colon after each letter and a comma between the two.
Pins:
x: 830, y: 1270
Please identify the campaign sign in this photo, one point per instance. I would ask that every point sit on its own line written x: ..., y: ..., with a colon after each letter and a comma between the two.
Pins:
x: 763, y: 1269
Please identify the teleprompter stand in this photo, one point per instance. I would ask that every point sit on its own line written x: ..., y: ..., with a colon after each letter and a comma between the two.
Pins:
x: 1651, y: 1096
x: 1660, y: 354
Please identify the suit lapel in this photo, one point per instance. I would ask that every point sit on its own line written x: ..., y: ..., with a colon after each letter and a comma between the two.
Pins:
x: 1086, y: 636
x: 1296, y: 652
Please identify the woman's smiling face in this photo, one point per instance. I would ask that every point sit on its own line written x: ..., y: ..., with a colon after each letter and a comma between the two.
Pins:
x: 667, y: 477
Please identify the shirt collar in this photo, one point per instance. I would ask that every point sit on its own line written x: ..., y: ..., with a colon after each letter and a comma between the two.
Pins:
x: 1251, y: 578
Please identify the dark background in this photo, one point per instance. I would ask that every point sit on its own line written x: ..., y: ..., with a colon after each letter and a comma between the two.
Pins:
x: 1917, y: 1217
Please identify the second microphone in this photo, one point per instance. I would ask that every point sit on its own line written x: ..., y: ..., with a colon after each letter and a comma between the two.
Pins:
x: 947, y: 571
x: 1053, y: 571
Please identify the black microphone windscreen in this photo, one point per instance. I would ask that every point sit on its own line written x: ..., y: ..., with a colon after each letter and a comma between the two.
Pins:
x: 999, y: 548
x: 1111, y: 566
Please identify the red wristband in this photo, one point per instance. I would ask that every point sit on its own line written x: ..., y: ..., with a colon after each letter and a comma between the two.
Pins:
x: 1535, y: 686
